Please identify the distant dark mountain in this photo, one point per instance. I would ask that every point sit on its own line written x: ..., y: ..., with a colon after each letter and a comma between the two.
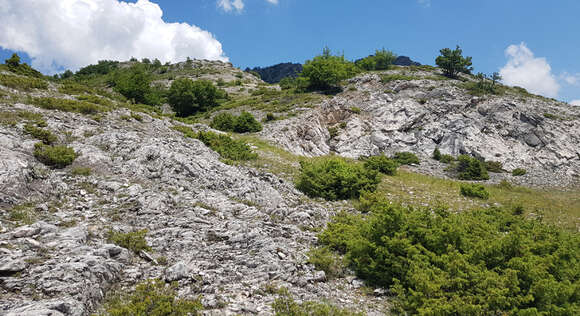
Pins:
x: 405, y: 61
x: 274, y: 74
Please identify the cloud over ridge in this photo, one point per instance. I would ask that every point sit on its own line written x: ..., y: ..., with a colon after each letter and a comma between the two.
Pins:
x: 75, y: 33
x: 525, y: 70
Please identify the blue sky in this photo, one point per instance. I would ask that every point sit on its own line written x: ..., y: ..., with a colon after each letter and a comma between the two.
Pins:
x: 266, y: 32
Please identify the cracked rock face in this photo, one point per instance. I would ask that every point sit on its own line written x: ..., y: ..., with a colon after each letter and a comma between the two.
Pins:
x: 420, y: 115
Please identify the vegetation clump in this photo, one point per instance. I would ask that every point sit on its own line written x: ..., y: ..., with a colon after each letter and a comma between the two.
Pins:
x: 436, y: 154
x: 22, y: 83
x: 335, y: 178
x: 14, y: 65
x: 244, y: 123
x: 486, y: 262
x: 326, y: 260
x: 152, y: 298
x: 394, y: 77
x: 324, y: 72
x: 474, y: 190
x: 445, y: 158
x: 188, y: 97
x: 493, y: 166
x: 381, y: 60
x: 285, y: 305
x: 406, y: 158
x: 134, y: 241
x: 382, y: 164
x: 452, y: 62
x: 227, y: 147
x: 57, y: 156
x: 67, y: 105
x: 471, y: 168
x: 44, y: 135
x: 518, y: 172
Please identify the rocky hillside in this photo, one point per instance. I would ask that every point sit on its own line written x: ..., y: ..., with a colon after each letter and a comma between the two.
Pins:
x: 421, y: 110
x: 230, y: 233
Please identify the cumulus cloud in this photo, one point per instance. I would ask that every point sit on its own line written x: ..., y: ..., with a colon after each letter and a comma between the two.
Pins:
x: 75, y: 33
x: 575, y: 102
x: 570, y: 79
x: 525, y: 70
x: 236, y: 5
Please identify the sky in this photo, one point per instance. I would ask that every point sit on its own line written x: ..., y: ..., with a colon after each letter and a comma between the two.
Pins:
x: 533, y: 44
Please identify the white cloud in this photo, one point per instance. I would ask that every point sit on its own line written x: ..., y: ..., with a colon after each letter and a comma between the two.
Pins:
x: 75, y: 33
x: 532, y: 73
x: 575, y: 102
x: 229, y: 5
x: 236, y: 5
x: 570, y: 79
x: 424, y: 3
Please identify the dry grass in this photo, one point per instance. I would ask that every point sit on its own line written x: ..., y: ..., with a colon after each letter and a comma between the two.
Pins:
x: 556, y: 206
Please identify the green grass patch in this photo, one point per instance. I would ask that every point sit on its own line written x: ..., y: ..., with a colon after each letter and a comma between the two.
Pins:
x: 518, y: 172
x: 555, y: 206
x: 11, y: 118
x: 74, y: 88
x: 67, y: 105
x: 406, y: 158
x: 397, y: 77
x: 227, y: 147
x: 22, y: 83
x: 81, y: 171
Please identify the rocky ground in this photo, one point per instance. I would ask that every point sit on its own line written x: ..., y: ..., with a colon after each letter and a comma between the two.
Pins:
x: 233, y: 233
x: 227, y: 233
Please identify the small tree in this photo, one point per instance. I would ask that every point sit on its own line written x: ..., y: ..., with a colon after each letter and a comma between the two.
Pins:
x: 133, y: 83
x: 452, y: 62
x: 324, y: 72
x: 384, y: 59
x: 188, y: 97
x: 13, y: 62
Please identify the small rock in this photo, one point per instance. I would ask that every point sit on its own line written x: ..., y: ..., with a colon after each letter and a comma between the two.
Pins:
x: 143, y: 254
x: 10, y: 266
x: 176, y: 272
x: 319, y: 276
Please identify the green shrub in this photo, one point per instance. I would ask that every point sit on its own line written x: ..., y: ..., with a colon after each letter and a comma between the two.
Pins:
x: 325, y: 260
x: 505, y: 185
x: 436, y: 154
x: 57, y: 156
x: 355, y: 110
x: 227, y: 147
x: 285, y: 305
x: 382, y: 163
x: 246, y: 123
x: 74, y: 88
x: 335, y: 178
x: 95, y: 99
x: 406, y: 158
x: 134, y: 241
x: 22, y: 83
x: 270, y: 117
x: 151, y: 298
x: 494, y: 166
x: 381, y: 60
x: 224, y: 121
x: 67, y: 105
x: 333, y: 132
x: 484, y: 85
x: 470, y: 168
x: 518, y: 172
x: 474, y: 190
x: 188, y: 97
x: 44, y: 135
x: 452, y: 62
x: 133, y: 83
x: 324, y: 72
x: 446, y: 158
x: 81, y: 171
x: 486, y: 262
x: 394, y: 77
